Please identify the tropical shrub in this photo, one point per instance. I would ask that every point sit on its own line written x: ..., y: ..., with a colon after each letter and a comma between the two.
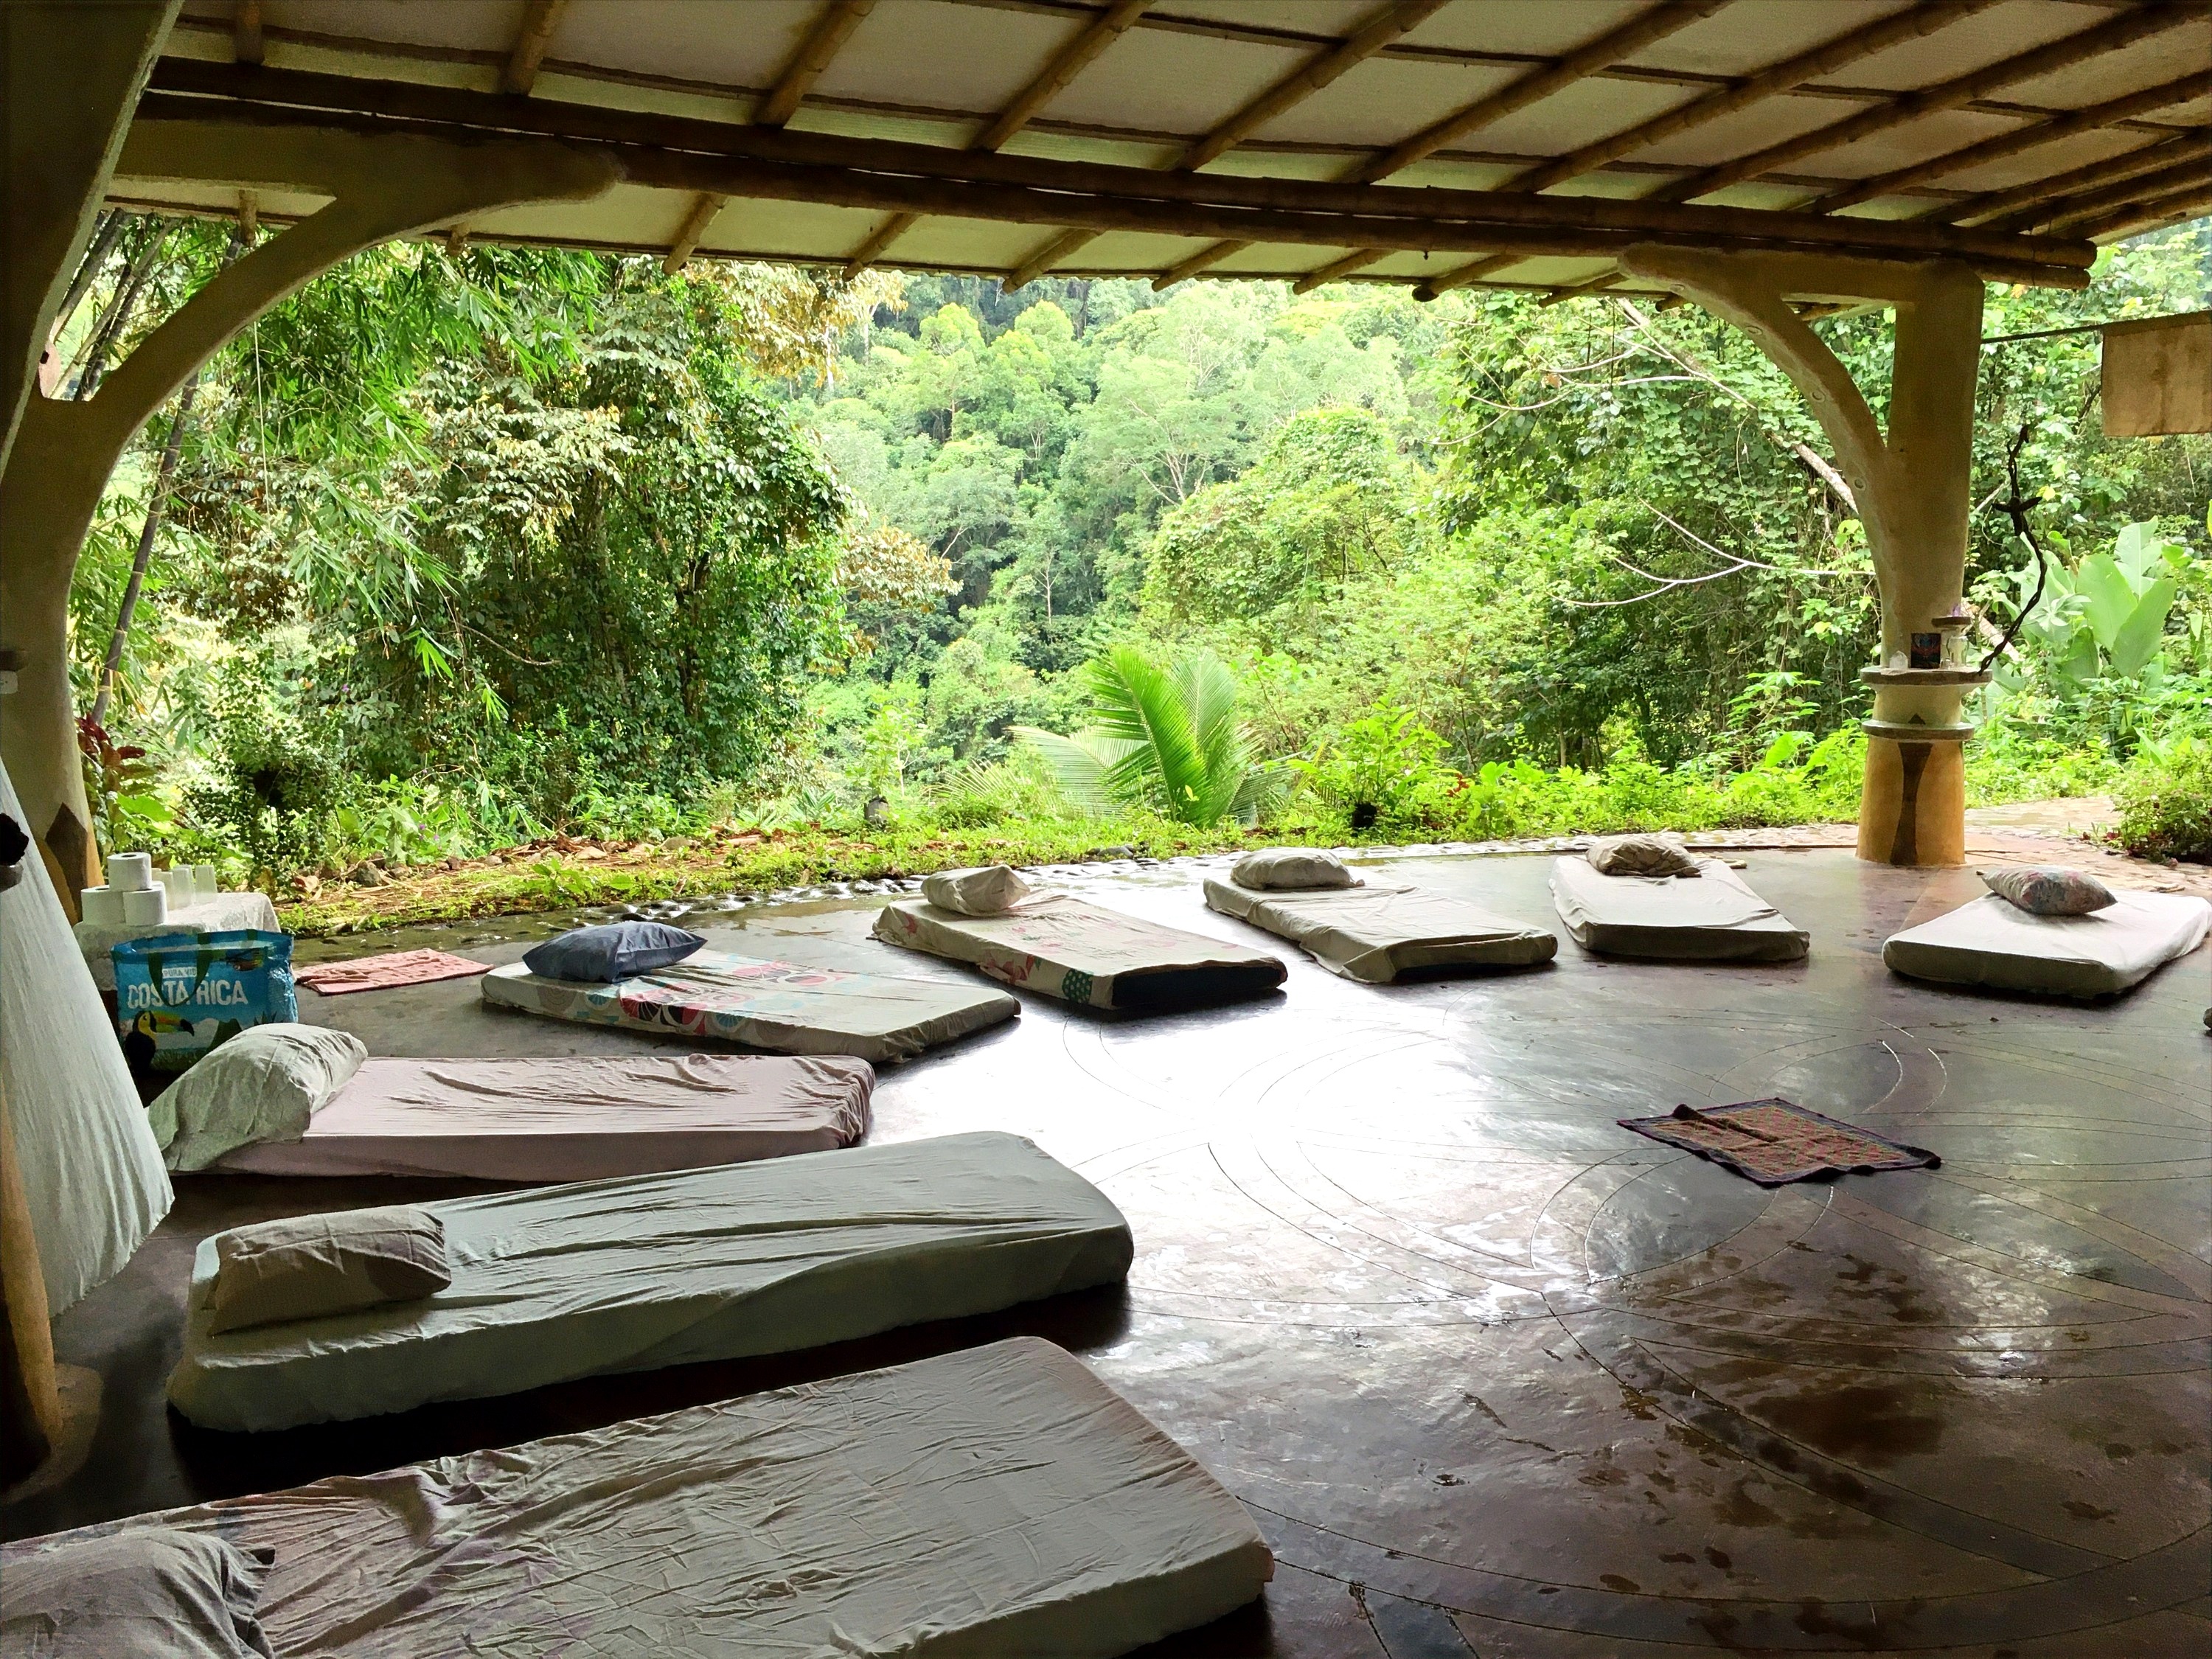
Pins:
x: 1167, y: 740
x: 2165, y: 799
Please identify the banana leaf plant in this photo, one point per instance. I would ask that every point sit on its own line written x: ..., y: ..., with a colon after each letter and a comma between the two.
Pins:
x: 2105, y: 617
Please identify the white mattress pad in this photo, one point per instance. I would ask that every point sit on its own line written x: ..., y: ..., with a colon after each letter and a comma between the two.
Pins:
x: 1991, y: 941
x: 579, y: 1118
x: 1712, y: 916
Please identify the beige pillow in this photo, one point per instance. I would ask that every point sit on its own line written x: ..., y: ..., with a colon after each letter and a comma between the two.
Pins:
x: 310, y: 1267
x: 990, y: 891
x: 1287, y: 868
x: 1642, y: 855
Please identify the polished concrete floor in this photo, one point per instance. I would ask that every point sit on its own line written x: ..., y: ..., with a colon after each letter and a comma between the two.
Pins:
x: 1496, y: 1375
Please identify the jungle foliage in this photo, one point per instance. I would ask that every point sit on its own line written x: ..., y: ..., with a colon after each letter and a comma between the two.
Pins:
x: 469, y: 549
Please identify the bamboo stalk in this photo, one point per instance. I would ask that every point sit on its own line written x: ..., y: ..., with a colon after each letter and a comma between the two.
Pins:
x: 2067, y: 211
x: 823, y: 42
x: 532, y: 37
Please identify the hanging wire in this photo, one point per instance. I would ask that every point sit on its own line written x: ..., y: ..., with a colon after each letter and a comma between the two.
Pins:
x: 2017, y: 510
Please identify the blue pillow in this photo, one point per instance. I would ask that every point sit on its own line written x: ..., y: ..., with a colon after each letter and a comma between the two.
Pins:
x: 600, y: 955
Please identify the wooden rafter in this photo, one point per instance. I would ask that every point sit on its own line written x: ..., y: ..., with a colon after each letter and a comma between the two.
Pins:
x: 2049, y: 131
x: 1205, y: 259
x: 1430, y: 287
x: 2137, y: 218
x: 1070, y: 61
x: 704, y: 207
x: 2122, y: 30
x: 2129, y: 165
x: 1393, y: 20
x: 531, y: 38
x: 1597, y: 284
x: 1336, y: 270
x: 685, y: 153
x: 1655, y: 24
x: 815, y: 53
x: 2064, y: 213
x: 246, y: 45
x: 1826, y: 59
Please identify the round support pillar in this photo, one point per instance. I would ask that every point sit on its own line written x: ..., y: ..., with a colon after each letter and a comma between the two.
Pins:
x: 1912, y: 808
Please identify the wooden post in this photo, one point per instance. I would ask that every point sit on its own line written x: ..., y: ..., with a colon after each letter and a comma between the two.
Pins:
x: 1913, y: 486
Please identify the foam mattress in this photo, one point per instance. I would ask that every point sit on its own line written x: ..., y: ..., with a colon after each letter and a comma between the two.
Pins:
x: 1068, y: 947
x: 766, y: 1004
x: 1994, y: 942
x: 1376, y: 932
x: 1712, y: 916
x: 573, y: 1119
x: 998, y: 1501
x: 649, y: 1271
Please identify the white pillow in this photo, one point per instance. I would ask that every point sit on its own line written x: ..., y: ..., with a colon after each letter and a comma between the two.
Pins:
x: 159, y: 1593
x: 265, y: 1084
x: 991, y: 891
x: 1291, y: 868
x: 310, y: 1267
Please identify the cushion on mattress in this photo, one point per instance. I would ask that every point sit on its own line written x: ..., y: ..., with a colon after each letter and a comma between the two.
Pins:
x: 311, y: 1267
x: 1642, y: 855
x: 1286, y: 868
x: 990, y: 891
x: 2048, y: 890
x: 265, y: 1084
x: 600, y: 955
x: 155, y: 1593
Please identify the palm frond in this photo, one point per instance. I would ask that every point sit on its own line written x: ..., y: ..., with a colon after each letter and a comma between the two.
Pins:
x: 1081, y: 763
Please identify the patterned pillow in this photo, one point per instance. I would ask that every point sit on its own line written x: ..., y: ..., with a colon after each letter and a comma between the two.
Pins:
x: 2048, y: 890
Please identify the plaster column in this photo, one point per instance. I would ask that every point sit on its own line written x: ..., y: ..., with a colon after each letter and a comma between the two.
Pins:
x: 379, y: 186
x: 1911, y: 487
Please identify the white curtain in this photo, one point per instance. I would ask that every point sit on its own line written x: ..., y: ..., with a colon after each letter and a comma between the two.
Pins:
x: 91, y: 1170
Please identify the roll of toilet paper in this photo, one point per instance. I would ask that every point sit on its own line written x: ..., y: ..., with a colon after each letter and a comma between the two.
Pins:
x: 130, y: 873
x: 149, y: 904
x: 102, y: 906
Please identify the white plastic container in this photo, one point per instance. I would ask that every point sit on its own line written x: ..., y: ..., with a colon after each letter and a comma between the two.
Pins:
x: 176, y: 882
x: 131, y: 872
x: 204, y: 880
x: 148, y: 905
x: 102, y: 906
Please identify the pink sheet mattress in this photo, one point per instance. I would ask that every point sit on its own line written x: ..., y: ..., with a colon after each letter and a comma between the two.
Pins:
x: 576, y: 1119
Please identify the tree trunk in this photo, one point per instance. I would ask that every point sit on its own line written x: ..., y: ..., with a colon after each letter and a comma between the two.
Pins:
x: 162, y: 481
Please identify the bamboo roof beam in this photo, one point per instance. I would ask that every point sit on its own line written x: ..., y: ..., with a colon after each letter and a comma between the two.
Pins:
x: 1653, y: 24
x: 1320, y: 70
x: 1203, y: 259
x: 1826, y: 59
x: 531, y: 38
x: 832, y: 28
x: 246, y: 43
x: 2132, y: 164
x: 693, y: 155
x: 1429, y: 288
x: 704, y: 207
x: 2138, y: 218
x: 2049, y: 131
x: 2065, y: 212
x: 1597, y: 284
x: 1070, y: 61
x: 1337, y: 268
x: 2122, y: 30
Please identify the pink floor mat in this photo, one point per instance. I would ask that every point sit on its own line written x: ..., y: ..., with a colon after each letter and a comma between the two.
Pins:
x: 336, y: 979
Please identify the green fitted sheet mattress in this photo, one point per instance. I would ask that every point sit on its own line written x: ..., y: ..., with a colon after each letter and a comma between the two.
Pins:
x: 1374, y: 933
x: 996, y: 1501
x: 650, y: 1271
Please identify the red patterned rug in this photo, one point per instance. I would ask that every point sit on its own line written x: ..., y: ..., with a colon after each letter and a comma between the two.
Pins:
x: 1776, y: 1141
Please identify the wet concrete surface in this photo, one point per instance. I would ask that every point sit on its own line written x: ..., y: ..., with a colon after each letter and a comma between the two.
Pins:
x: 1495, y: 1375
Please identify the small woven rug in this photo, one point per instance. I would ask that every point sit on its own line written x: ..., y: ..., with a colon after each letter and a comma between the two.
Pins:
x: 1775, y: 1141
x: 336, y: 979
